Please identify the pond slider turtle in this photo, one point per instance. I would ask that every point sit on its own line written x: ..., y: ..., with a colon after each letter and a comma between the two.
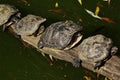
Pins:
x: 8, y: 15
x: 61, y: 35
x: 96, y: 49
x: 29, y: 24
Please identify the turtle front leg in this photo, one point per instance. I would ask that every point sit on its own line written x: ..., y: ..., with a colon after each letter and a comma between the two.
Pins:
x: 13, y: 20
x: 76, y: 62
x: 6, y: 25
x: 114, y: 50
x: 40, y: 45
x: 99, y: 64
x: 39, y: 31
x: 102, y: 62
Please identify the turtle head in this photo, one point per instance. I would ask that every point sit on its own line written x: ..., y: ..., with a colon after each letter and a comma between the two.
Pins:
x: 73, y: 30
x: 114, y: 50
x: 13, y: 20
x: 41, y: 27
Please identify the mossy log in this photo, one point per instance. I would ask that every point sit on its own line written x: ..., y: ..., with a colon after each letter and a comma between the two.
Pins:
x: 111, y: 69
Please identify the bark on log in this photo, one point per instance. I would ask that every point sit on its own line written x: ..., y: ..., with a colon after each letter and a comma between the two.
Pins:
x: 111, y: 69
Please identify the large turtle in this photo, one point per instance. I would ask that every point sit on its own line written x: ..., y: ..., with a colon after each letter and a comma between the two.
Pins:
x: 8, y: 15
x: 61, y: 35
x: 28, y: 25
x: 96, y: 49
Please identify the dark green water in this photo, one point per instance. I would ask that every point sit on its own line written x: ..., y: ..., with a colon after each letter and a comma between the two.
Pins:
x: 18, y: 62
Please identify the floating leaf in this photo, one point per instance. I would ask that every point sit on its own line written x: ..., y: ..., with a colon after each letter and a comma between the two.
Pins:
x: 87, y: 78
x: 80, y: 1
x: 92, y: 14
x: 107, y: 19
x: 97, y: 10
x: 56, y: 4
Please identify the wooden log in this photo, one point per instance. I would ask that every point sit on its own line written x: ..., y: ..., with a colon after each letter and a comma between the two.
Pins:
x: 111, y: 69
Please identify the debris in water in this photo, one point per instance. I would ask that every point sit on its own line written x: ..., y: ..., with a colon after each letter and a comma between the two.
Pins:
x: 107, y: 20
x: 65, y: 75
x: 87, y: 78
x: 56, y: 4
x: 92, y: 14
x: 97, y: 10
x: 80, y: 20
x: 59, y: 11
x: 80, y: 1
x: 25, y: 2
x: 90, y: 73
x: 98, y: 17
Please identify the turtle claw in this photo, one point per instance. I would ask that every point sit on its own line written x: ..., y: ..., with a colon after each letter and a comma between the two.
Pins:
x: 114, y: 50
x: 99, y: 64
x: 77, y: 62
x: 4, y: 27
x: 51, y: 57
x: 40, y: 45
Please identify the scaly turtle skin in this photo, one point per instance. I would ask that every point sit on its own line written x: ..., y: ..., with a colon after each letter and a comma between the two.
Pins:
x: 61, y: 35
x: 8, y: 15
x: 28, y: 25
x: 96, y: 49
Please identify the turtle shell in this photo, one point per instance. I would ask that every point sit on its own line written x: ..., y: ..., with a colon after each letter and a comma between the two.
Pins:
x: 95, y: 48
x: 28, y: 24
x: 59, y: 35
x: 6, y: 11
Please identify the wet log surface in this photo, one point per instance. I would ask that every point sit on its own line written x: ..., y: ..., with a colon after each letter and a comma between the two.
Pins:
x: 111, y: 69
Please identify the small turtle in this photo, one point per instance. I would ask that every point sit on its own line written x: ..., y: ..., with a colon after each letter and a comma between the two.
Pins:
x: 96, y: 49
x: 8, y: 15
x: 61, y: 35
x: 28, y: 25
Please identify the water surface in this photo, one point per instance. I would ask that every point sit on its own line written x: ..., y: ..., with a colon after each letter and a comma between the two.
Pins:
x: 18, y: 62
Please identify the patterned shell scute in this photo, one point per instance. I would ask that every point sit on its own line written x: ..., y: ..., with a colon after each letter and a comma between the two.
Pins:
x: 28, y: 24
x: 95, y: 48
x: 58, y: 35
x: 6, y: 11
